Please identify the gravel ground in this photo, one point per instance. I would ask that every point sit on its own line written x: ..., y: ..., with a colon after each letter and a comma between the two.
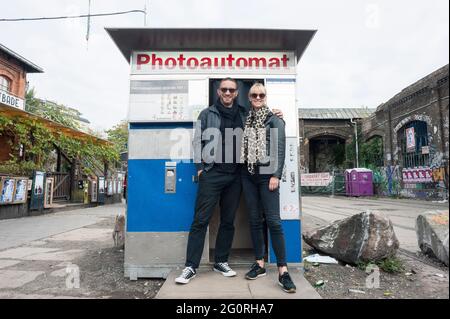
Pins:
x: 100, y: 266
x: 101, y: 274
x: 423, y: 277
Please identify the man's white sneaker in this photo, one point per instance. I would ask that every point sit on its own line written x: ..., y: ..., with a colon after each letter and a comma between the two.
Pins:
x: 224, y: 269
x: 186, y: 275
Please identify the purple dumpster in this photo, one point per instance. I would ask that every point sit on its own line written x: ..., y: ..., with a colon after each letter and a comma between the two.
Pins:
x: 359, y: 182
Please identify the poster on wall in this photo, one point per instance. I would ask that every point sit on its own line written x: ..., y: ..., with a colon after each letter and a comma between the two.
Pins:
x: 94, y: 191
x: 417, y: 175
x: 110, y: 187
x: 7, y: 190
x: 410, y: 140
x: 20, y: 194
x: 39, y: 184
x: 101, y: 185
x: 114, y: 186
x: 37, y: 191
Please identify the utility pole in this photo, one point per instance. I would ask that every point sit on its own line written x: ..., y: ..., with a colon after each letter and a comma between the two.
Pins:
x: 356, y: 140
x: 145, y: 14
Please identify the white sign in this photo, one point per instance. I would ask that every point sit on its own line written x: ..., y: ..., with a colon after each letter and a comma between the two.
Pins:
x: 316, y: 179
x: 281, y: 95
x: 144, y: 62
x: 289, y: 183
x: 10, y: 100
x: 166, y: 100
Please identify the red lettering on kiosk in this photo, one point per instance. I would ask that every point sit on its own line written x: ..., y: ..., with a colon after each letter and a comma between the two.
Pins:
x: 181, y: 59
x: 142, y: 59
x: 155, y: 59
x: 257, y: 61
x: 243, y: 61
x: 228, y: 61
x: 206, y: 63
x: 191, y: 61
x: 172, y: 61
x: 274, y: 63
x: 284, y: 59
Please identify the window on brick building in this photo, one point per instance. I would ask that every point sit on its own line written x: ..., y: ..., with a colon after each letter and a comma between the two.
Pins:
x: 4, y: 83
x: 414, y: 144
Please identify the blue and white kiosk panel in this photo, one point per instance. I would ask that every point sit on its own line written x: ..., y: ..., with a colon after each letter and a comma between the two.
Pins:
x: 167, y: 92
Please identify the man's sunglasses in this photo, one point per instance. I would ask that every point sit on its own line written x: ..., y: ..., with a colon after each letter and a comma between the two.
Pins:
x: 257, y: 96
x: 224, y: 90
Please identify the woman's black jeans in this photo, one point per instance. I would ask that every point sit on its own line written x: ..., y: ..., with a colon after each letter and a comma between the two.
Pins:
x: 261, y: 202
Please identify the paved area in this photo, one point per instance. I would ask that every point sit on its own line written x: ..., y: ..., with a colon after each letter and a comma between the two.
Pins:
x: 211, y: 285
x: 15, y: 232
x: 39, y: 254
x: 403, y: 213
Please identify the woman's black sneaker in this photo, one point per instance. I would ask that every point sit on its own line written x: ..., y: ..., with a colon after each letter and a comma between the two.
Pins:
x: 286, y: 282
x: 255, y: 272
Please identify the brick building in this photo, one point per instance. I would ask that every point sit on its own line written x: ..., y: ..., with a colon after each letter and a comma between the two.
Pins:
x: 13, y: 86
x: 13, y: 72
x: 65, y: 179
x: 414, y: 127
x: 324, y: 134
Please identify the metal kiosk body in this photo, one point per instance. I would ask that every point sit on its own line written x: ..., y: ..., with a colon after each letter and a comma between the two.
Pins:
x: 174, y: 75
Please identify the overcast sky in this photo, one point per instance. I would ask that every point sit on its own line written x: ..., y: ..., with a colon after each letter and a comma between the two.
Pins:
x: 363, y: 53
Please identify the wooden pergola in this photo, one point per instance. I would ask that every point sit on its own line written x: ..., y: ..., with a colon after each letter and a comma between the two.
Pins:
x: 12, y: 112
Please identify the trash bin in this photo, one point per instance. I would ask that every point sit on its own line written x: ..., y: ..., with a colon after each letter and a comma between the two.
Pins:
x: 359, y: 182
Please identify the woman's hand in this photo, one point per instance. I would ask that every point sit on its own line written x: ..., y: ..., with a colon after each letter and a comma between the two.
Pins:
x: 273, y: 183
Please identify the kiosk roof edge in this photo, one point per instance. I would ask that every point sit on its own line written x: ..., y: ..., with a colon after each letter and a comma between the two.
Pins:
x: 164, y: 39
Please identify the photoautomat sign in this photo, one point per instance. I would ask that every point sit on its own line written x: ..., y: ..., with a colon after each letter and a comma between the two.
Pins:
x: 212, y: 62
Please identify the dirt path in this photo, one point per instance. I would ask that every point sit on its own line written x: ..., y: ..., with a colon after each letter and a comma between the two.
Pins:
x: 47, y: 268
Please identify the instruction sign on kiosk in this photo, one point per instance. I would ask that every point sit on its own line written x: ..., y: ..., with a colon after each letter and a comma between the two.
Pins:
x: 174, y: 74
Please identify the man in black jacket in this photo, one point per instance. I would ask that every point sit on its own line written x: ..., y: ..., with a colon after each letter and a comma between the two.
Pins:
x: 217, y: 142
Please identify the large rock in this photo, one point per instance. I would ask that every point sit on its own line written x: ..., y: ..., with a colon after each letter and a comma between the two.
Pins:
x: 432, y: 234
x: 364, y: 237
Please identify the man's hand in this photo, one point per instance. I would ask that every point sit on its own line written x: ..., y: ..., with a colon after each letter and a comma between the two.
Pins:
x: 199, y: 172
x: 273, y: 183
x: 278, y: 113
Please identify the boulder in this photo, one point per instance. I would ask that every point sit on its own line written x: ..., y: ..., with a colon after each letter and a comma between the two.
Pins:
x: 364, y: 237
x: 119, y: 231
x: 432, y: 234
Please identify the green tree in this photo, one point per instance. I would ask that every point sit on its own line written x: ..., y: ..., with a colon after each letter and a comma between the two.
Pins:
x: 372, y: 152
x: 52, y: 111
x: 118, y: 135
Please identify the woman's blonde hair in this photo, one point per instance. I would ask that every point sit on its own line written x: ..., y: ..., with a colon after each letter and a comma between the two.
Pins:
x: 257, y: 86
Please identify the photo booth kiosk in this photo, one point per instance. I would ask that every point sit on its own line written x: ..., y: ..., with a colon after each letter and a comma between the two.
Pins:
x: 174, y: 75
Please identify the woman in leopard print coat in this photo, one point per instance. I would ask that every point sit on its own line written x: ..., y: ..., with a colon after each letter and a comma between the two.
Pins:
x: 263, y: 153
